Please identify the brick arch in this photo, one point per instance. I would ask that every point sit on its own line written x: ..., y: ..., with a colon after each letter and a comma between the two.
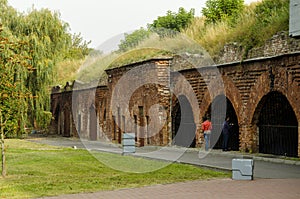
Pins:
x: 183, y: 87
x: 282, y: 84
x: 232, y: 94
x: 260, y: 89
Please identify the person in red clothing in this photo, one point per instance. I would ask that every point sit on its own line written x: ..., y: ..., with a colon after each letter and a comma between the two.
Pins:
x: 206, y: 128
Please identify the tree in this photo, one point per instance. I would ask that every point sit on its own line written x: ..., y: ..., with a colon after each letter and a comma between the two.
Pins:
x: 133, y: 39
x: 218, y: 10
x: 270, y: 16
x: 164, y: 26
x: 172, y: 22
x: 266, y: 10
x: 79, y: 48
x: 49, y: 42
x: 14, y: 69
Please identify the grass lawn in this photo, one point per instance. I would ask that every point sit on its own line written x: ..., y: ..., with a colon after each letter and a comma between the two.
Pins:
x: 35, y: 170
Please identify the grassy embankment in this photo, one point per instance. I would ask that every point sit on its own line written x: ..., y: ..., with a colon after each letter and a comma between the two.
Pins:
x: 251, y: 29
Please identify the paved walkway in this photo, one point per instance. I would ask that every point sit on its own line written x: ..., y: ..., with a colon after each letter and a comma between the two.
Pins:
x: 274, y: 177
x: 224, y: 188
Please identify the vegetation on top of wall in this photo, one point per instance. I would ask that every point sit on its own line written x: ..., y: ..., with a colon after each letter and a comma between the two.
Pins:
x: 164, y: 26
x: 67, y: 70
x: 248, y: 25
x: 133, y: 39
x: 138, y: 55
x: 251, y: 28
x: 153, y: 47
x: 93, y: 69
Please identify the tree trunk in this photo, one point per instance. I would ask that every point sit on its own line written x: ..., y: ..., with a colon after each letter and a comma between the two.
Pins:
x: 2, y: 146
x: 3, y: 156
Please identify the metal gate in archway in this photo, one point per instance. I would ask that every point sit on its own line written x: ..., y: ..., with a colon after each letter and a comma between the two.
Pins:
x: 93, y: 123
x: 183, y: 124
x: 278, y: 126
x: 218, y: 120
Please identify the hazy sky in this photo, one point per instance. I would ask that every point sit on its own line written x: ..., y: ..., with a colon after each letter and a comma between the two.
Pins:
x: 100, y: 20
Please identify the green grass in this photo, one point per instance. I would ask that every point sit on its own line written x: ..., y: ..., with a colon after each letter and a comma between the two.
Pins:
x: 66, y: 71
x: 36, y: 170
x: 137, y: 55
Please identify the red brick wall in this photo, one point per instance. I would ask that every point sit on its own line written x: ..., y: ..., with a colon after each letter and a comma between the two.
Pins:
x: 243, y: 83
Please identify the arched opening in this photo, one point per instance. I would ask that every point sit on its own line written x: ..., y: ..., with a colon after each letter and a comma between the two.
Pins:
x: 67, y: 123
x: 277, y: 126
x: 93, y: 123
x: 56, y: 121
x: 183, y: 125
x: 219, y: 114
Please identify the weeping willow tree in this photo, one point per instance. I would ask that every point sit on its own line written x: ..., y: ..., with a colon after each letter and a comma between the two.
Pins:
x: 48, y: 42
x: 15, y: 69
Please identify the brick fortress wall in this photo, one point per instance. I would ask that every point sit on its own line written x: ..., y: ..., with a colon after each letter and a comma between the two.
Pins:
x: 244, y: 83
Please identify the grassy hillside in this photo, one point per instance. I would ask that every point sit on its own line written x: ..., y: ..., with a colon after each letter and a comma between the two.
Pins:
x: 258, y: 22
x: 67, y: 71
x: 252, y: 28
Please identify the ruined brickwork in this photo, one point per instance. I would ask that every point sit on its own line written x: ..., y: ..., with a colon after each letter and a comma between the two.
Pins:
x: 245, y: 84
x: 279, y: 44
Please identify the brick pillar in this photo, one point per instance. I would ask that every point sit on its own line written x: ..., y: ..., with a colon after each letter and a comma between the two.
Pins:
x: 255, y: 133
x: 167, y: 129
x: 199, y: 136
x: 248, y: 138
x: 163, y: 73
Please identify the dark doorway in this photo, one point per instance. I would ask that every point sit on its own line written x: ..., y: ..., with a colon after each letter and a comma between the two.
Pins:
x: 184, y: 127
x: 278, y: 126
x: 67, y: 123
x: 114, y: 127
x: 57, y: 120
x: 222, y: 108
x: 93, y: 123
x: 119, y: 126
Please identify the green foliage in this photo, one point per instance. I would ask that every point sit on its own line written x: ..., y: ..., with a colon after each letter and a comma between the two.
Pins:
x: 14, y: 69
x: 48, y: 42
x: 46, y: 118
x: 268, y: 8
x: 164, y: 26
x: 269, y: 17
x: 218, y: 10
x: 66, y: 71
x: 94, y: 67
x: 257, y: 23
x: 79, y: 48
x: 250, y: 26
x: 172, y: 22
x: 133, y: 39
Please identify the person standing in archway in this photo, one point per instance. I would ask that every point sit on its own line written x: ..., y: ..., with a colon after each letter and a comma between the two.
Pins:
x: 206, y: 128
x: 225, y: 133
